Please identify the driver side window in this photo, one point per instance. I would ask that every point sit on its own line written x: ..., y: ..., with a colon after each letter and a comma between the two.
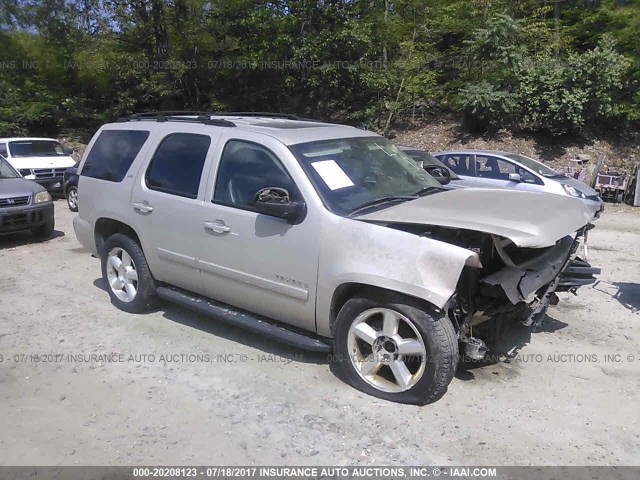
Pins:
x: 245, y: 168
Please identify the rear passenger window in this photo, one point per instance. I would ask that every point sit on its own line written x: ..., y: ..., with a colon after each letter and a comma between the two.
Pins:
x: 461, y: 164
x: 113, y: 153
x: 3, y: 149
x: 177, y: 165
x: 493, y: 167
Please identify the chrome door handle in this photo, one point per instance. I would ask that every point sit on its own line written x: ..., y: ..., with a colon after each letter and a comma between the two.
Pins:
x: 217, y: 226
x: 142, y: 207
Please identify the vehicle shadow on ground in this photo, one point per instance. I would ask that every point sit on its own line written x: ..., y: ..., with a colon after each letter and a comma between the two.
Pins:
x: 628, y: 295
x: 19, y: 239
x: 217, y: 327
x: 514, y: 339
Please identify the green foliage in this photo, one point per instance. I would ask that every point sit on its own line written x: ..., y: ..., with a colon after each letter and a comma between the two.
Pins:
x: 70, y: 65
x: 486, y: 106
x: 565, y: 96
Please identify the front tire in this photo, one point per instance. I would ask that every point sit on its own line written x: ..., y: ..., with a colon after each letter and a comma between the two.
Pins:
x: 126, y: 273
x: 395, y: 349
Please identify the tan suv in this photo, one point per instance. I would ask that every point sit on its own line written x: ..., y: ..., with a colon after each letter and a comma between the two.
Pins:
x: 322, y: 236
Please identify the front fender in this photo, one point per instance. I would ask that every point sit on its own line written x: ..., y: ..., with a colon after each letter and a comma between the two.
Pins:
x: 353, y: 251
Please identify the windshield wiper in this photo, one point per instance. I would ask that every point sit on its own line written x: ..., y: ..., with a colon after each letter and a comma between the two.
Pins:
x: 382, y: 201
x: 429, y: 190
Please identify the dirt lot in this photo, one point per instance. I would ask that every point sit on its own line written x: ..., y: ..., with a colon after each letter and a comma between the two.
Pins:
x: 260, y: 403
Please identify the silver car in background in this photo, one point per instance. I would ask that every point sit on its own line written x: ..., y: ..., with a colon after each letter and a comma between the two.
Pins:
x: 435, y: 168
x: 494, y: 169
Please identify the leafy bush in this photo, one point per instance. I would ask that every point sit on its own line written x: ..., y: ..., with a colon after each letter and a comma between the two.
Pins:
x: 565, y: 96
x: 485, y: 106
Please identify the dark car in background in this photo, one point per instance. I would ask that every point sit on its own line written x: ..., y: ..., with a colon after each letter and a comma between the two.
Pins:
x: 24, y: 204
x: 70, y: 187
x: 435, y: 167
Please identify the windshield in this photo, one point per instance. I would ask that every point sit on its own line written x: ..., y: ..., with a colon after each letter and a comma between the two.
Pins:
x: 36, y: 148
x: 349, y: 173
x: 534, y: 165
x: 6, y: 170
x: 427, y: 160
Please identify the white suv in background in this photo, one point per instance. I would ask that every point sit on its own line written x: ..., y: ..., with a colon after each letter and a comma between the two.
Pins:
x: 41, y: 159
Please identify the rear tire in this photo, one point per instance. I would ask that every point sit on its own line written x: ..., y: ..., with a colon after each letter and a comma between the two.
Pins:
x: 44, y: 231
x: 395, y: 349
x: 72, y: 198
x: 126, y: 273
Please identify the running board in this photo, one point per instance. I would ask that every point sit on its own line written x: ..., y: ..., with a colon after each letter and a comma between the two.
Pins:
x: 243, y: 319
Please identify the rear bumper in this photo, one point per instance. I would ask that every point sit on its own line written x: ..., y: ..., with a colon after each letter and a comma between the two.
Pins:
x: 25, y: 218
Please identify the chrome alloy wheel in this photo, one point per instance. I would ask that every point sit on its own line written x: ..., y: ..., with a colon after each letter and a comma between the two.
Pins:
x: 122, y: 275
x: 386, y: 350
x: 72, y: 197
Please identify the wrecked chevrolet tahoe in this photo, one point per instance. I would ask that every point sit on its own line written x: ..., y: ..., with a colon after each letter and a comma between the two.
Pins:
x: 324, y: 237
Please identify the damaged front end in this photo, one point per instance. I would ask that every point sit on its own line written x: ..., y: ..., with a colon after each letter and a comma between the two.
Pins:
x: 512, y: 284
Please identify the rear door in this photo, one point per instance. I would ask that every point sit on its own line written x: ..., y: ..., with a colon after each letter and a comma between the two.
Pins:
x: 465, y: 167
x: 166, y: 205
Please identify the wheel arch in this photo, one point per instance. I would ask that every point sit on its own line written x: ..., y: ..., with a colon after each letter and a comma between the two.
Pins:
x: 105, y: 227
x: 348, y: 290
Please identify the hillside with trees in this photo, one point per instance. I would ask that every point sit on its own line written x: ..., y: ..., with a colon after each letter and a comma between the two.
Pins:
x: 549, y: 67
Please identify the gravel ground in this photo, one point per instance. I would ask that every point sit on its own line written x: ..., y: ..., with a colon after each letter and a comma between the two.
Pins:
x: 256, y: 402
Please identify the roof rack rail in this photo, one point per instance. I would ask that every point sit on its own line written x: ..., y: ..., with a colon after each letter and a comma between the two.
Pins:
x: 287, y: 116
x: 202, y: 117
x: 172, y: 113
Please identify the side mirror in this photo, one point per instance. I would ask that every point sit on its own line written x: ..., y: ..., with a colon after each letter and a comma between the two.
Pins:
x: 67, y: 150
x: 276, y: 202
x: 442, y: 175
x: 515, y: 177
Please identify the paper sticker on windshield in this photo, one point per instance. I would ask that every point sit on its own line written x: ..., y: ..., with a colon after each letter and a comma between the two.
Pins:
x: 332, y: 174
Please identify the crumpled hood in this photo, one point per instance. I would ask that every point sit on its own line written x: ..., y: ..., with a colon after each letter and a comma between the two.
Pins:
x: 528, y: 219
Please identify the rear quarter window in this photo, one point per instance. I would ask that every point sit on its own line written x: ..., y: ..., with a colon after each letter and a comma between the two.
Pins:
x: 176, y: 167
x: 113, y: 153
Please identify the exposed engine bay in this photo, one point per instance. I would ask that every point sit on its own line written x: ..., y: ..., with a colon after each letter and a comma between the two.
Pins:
x: 513, y: 283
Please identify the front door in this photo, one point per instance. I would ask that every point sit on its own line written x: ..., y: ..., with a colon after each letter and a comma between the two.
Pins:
x: 254, y: 261
x: 494, y: 172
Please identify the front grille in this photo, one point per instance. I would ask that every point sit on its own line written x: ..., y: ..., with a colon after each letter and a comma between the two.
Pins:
x: 13, y: 202
x: 49, y: 173
x: 9, y: 221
